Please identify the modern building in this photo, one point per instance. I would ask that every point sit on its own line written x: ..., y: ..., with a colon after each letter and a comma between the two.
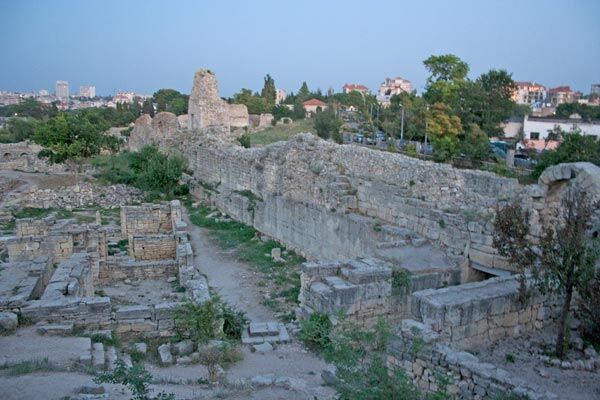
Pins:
x: 397, y: 85
x: 595, y: 89
x: 312, y: 106
x: 280, y: 96
x: 530, y: 93
x: 351, y: 87
x: 536, y: 130
x: 562, y: 94
x: 43, y: 93
x: 62, y: 89
x: 87, y: 91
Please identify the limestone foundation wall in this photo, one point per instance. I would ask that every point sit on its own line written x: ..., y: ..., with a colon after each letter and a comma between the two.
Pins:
x: 153, y: 247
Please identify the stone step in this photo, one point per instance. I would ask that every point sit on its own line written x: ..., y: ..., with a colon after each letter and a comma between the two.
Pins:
x: 98, y: 359
x: 110, y: 357
x: 55, y: 329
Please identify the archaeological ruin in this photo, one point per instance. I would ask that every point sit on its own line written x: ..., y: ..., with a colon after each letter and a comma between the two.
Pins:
x: 385, y: 235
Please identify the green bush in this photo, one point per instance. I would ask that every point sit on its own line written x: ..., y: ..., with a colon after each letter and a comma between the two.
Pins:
x: 244, y: 140
x: 209, y: 320
x: 314, y: 331
x: 135, y: 378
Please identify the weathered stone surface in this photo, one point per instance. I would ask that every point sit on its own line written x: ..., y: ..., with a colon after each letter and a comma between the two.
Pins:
x: 164, y: 355
x: 183, y: 348
x: 8, y: 321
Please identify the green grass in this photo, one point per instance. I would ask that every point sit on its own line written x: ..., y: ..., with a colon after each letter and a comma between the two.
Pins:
x: 281, y: 278
x: 28, y: 367
x: 281, y: 132
x: 8, y: 226
x: 38, y: 213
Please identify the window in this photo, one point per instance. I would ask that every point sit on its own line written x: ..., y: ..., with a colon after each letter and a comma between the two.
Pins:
x: 534, y: 135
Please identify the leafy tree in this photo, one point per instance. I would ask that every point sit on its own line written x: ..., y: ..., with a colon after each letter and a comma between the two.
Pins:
x: 511, y: 233
x: 19, y: 129
x: 282, y: 111
x: 589, y: 309
x: 447, y: 74
x: 170, y: 100
x: 498, y: 105
x: 255, y: 103
x: 445, y: 148
x: 441, y: 123
x: 475, y: 145
x: 71, y: 137
x: 148, y: 107
x: 327, y: 124
x: 586, y: 112
x: 574, y: 147
x: 568, y: 255
x: 29, y: 108
x: 269, y: 91
x: 156, y: 172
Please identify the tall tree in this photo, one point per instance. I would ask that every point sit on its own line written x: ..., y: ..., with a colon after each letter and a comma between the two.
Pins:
x: 498, y: 106
x: 269, y: 91
x: 148, y: 107
x: 447, y: 74
x: 303, y: 93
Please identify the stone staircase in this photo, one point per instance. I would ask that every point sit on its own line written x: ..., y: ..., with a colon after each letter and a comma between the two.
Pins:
x: 392, y: 236
x: 341, y: 190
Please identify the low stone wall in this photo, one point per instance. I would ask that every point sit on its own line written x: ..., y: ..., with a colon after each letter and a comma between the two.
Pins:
x: 149, y: 321
x: 82, y: 195
x: 121, y: 269
x: 32, y: 227
x: 152, y: 247
x: 472, y: 314
x: 23, y: 281
x: 85, y: 311
x: 60, y: 247
x: 417, y: 350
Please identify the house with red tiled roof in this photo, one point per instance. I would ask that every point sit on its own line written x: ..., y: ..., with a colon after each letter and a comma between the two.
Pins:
x: 313, y: 105
x: 351, y: 87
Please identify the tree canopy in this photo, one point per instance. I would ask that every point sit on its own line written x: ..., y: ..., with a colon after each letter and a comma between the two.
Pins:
x: 170, y: 100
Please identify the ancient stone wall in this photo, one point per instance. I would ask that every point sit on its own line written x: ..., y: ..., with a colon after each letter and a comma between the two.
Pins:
x: 261, y: 120
x: 238, y: 116
x: 152, y: 247
x: 72, y: 277
x: 151, y: 131
x: 418, y: 351
x: 23, y: 156
x: 59, y: 246
x: 476, y: 313
x: 32, y: 227
x: 206, y: 109
x: 146, y: 219
x: 82, y: 195
x: 120, y: 269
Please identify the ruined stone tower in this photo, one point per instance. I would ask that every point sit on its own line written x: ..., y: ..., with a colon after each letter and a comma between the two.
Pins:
x: 206, y: 109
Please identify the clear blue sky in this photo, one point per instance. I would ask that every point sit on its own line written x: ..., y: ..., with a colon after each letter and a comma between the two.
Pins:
x: 144, y: 45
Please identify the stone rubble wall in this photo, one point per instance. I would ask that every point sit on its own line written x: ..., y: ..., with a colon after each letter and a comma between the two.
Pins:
x: 483, y: 312
x: 205, y: 108
x: 417, y: 350
x: 23, y: 156
x: 260, y: 120
x: 82, y: 195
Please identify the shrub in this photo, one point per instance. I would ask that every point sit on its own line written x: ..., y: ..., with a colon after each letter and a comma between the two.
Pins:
x: 244, y: 140
x: 589, y: 310
x: 135, y: 378
x: 314, y: 331
x: 211, y: 319
x: 400, y: 279
x: 215, y: 356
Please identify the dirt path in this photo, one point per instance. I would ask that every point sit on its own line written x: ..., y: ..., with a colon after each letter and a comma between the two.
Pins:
x: 235, y: 282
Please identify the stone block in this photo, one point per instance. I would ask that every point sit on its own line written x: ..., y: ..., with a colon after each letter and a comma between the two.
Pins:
x: 164, y: 355
x: 183, y: 348
x: 8, y: 321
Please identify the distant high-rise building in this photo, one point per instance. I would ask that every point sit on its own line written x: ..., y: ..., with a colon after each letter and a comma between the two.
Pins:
x: 595, y: 89
x: 87, y: 91
x: 62, y: 89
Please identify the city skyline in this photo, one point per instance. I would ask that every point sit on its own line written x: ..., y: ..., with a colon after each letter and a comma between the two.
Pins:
x: 145, y: 46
